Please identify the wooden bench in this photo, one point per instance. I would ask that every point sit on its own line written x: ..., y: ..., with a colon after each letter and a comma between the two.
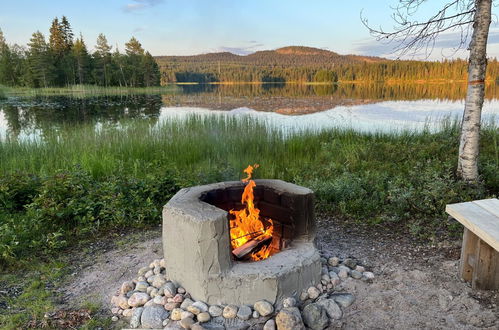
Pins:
x: 480, y: 251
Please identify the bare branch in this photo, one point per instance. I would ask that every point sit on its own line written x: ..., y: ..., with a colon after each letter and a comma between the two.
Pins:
x: 412, y: 36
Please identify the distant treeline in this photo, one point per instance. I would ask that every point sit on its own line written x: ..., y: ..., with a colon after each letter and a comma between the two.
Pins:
x: 64, y: 60
x: 274, y: 69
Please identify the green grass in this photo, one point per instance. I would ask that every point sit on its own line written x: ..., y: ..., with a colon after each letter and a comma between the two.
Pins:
x: 78, y: 181
x: 85, y: 90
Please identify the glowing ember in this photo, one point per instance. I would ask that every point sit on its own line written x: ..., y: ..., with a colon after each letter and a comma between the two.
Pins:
x: 247, y: 224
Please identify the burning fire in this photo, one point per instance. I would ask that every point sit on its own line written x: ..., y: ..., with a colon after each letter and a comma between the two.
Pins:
x: 248, y: 227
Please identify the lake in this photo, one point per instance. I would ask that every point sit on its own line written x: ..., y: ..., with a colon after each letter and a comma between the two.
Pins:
x: 291, y: 108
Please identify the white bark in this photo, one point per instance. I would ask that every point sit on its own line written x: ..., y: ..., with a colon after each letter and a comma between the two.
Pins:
x: 467, y: 167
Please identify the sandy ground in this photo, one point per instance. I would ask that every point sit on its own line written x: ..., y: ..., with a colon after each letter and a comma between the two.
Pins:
x: 416, y: 285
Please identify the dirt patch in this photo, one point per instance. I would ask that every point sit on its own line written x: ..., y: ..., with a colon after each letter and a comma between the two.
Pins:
x: 416, y: 284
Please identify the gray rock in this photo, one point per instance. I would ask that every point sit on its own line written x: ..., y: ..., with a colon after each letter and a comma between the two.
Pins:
x: 186, y: 303
x: 335, y: 279
x: 343, y: 274
x: 332, y: 309
x: 256, y: 314
x: 197, y: 326
x: 230, y: 311
x: 333, y: 261
x: 170, y: 289
x: 343, y: 299
x: 142, y: 271
x: 244, y: 312
x: 127, y: 287
x: 158, y: 281
x: 360, y: 269
x: 186, y: 323
x: 141, y: 286
x: 289, y: 319
x: 153, y: 316
x: 335, y: 269
x: 289, y: 302
x: 315, y: 317
x: 186, y: 314
x: 201, y: 306
x: 304, y: 296
x: 114, y: 318
x: 356, y: 275
x: 138, y: 299
x: 269, y: 325
x: 367, y: 276
x: 313, y: 292
x: 156, y: 270
x: 263, y: 307
x: 350, y: 263
x: 203, y: 317
x: 136, y: 316
x: 215, y: 310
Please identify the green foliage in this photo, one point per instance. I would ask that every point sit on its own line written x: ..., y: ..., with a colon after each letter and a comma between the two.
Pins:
x: 64, y: 61
x: 326, y: 76
x: 126, y: 174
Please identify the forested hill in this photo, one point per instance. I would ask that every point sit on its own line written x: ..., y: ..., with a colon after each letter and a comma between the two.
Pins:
x: 307, y: 64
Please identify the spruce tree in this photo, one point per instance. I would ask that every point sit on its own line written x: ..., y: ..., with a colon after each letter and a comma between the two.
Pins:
x: 102, y: 59
x: 82, y: 60
x: 40, y: 64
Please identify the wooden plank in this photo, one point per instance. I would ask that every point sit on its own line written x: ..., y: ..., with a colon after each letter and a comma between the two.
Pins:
x: 477, y: 219
x: 491, y: 205
x: 467, y: 262
x: 486, y: 272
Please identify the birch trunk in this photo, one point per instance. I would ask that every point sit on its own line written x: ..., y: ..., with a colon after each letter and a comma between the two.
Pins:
x: 467, y: 167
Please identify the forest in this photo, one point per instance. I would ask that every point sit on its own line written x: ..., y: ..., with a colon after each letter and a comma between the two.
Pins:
x: 64, y: 60
x: 309, y: 65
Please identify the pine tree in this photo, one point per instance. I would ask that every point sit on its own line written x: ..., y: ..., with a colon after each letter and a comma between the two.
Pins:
x: 102, y: 57
x: 56, y: 38
x: 82, y: 60
x: 133, y: 47
x: 67, y: 34
x: 151, y: 71
x: 41, y: 67
x: 133, y: 68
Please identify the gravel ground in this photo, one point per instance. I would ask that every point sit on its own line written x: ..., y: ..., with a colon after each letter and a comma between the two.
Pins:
x: 416, y: 284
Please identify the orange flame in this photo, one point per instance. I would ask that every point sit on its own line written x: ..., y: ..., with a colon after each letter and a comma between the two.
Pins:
x: 247, y: 224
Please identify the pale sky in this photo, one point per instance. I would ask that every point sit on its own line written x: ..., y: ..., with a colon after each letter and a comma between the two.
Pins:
x: 185, y: 27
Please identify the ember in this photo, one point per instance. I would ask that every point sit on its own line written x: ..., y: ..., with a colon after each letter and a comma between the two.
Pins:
x: 250, y: 234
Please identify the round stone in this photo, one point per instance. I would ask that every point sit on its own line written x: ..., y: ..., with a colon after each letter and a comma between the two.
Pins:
x: 356, y: 275
x: 263, y: 307
x: 244, y: 312
x: 193, y: 309
x: 304, y: 296
x: 156, y: 270
x: 313, y: 292
x: 333, y: 261
x: 136, y: 315
x: 138, y: 299
x: 230, y: 311
x: 187, y: 322
x: 178, y: 298
x: 142, y: 271
x: 159, y: 300
x: 315, y: 317
x: 350, y: 263
x: 256, y: 314
x: 343, y: 299
x: 368, y: 276
x: 141, y: 286
x: 186, y: 303
x: 215, y: 310
x: 181, y: 290
x: 203, y: 317
x: 186, y: 314
x: 332, y: 309
x: 176, y: 314
x: 343, y: 274
x: 201, y: 306
x: 288, y: 319
x: 158, y: 281
x: 149, y: 274
x: 360, y: 269
x: 114, y: 318
x: 120, y: 301
x: 171, y: 306
x: 289, y: 302
x: 153, y: 316
x: 269, y: 325
x: 127, y: 287
x: 128, y: 312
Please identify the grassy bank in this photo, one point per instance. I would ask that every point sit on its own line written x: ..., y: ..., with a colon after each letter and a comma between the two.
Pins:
x: 86, y: 90
x: 79, y: 181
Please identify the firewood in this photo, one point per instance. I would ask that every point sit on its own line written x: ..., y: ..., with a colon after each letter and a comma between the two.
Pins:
x: 250, y: 246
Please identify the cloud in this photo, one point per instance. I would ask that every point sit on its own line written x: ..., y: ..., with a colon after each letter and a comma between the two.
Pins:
x: 242, y: 50
x: 448, y: 44
x: 137, y: 5
x: 139, y: 29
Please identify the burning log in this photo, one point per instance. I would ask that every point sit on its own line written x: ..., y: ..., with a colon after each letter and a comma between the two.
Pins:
x: 251, y: 246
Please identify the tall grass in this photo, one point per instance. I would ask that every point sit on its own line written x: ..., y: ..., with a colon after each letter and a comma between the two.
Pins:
x: 76, y: 180
x: 88, y: 90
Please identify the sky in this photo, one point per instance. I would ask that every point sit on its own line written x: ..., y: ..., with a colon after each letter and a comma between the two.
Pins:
x: 187, y: 27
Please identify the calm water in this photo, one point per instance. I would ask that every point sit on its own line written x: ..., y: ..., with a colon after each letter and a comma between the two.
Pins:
x: 288, y: 107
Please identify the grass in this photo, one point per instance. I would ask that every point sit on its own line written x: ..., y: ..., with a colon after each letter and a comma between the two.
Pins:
x: 77, y: 182
x: 85, y: 90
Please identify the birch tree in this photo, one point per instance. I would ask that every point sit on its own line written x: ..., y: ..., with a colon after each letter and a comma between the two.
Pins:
x: 465, y: 16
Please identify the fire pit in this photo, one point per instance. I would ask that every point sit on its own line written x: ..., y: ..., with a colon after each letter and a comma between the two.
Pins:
x: 219, y: 261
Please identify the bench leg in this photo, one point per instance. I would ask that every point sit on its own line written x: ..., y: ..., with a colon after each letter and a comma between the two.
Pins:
x: 486, y: 272
x: 468, y: 253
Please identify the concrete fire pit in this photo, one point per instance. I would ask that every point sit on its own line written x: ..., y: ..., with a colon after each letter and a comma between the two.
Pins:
x: 197, y: 250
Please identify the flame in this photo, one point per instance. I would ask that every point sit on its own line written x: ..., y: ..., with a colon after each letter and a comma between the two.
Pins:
x: 247, y: 224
